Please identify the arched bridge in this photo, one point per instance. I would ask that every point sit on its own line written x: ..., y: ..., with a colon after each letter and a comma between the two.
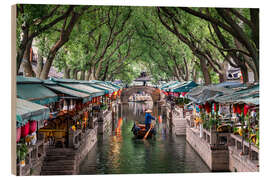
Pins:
x: 127, y: 92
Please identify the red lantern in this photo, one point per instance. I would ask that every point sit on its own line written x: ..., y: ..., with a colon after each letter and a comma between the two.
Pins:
x: 238, y: 109
x: 207, y: 107
x: 246, y: 108
x: 25, y: 130
x: 200, y: 107
x: 18, y: 134
x: 33, y: 126
x: 215, y: 107
x: 234, y: 108
x: 184, y: 93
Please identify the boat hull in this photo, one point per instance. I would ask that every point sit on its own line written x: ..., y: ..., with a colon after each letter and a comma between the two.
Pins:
x: 139, y: 131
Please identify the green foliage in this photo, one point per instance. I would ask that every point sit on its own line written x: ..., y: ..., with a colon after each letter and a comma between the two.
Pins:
x: 22, y: 151
x: 113, y: 42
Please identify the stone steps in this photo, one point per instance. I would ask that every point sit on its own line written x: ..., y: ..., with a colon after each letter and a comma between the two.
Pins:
x: 60, y: 161
x: 57, y: 168
x: 44, y: 173
x: 55, y: 163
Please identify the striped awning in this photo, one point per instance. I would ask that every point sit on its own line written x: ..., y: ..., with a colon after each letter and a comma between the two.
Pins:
x: 26, y: 110
x: 70, y: 92
x: 84, y: 89
x: 36, y: 93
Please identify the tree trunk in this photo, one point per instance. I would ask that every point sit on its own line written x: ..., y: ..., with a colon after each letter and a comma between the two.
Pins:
x: 244, y: 72
x: 64, y: 37
x: 195, y: 75
x: 223, y: 74
x: 82, y: 75
x: 22, y: 46
x: 66, y: 73
x: 206, y: 74
x: 75, y: 74
x: 39, y: 65
x: 27, y: 66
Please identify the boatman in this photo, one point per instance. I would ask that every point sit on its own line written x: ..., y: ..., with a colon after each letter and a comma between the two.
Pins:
x: 148, y: 118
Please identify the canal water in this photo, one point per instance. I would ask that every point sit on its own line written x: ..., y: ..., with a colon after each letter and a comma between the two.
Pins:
x: 118, y: 152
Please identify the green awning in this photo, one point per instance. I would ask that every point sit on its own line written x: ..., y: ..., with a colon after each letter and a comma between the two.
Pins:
x: 99, y: 86
x: 84, y: 89
x: 36, y: 93
x: 26, y: 110
x: 114, y: 85
x: 183, y: 87
x: 27, y: 80
x: 76, y: 94
x: 169, y: 84
x: 103, y: 84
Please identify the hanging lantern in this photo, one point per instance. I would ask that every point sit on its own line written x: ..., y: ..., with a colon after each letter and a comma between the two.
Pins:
x: 18, y: 134
x: 33, y: 126
x: 246, y: 108
x: 25, y: 130
x: 65, y: 106
x: 184, y: 93
x: 238, y: 109
x: 207, y: 107
x: 234, y: 108
x: 215, y: 107
x: 72, y: 106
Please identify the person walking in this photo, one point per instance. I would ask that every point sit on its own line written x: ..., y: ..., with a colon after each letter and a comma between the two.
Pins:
x: 148, y: 118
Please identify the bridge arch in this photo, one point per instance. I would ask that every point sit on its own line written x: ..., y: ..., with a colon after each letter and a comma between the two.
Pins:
x: 127, y: 92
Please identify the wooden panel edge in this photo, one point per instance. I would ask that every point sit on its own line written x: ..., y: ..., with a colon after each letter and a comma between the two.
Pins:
x: 13, y: 90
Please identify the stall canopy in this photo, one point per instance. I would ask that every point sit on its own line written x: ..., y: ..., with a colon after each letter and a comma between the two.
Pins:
x: 74, y: 94
x: 202, y: 94
x: 166, y: 85
x: 83, y: 88
x: 106, y: 85
x: 183, y: 87
x: 249, y: 95
x: 96, y: 86
x: 31, y: 89
x: 114, y: 85
x: 26, y: 110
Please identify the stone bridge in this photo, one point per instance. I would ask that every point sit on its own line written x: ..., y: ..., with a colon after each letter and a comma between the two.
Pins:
x: 153, y: 92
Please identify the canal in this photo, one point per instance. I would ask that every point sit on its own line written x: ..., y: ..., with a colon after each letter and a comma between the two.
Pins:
x: 117, y: 152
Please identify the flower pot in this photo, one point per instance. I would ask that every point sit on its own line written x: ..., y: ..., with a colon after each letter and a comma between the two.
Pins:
x: 22, y: 163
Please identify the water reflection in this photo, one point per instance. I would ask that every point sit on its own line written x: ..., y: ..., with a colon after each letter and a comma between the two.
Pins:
x: 120, y: 152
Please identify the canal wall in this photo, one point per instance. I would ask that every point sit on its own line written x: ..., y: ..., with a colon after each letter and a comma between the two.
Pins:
x: 216, y: 160
x: 87, y: 143
x: 241, y: 163
x: 176, y: 121
x: 104, y: 121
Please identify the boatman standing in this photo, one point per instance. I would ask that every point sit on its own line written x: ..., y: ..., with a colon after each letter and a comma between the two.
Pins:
x: 148, y: 118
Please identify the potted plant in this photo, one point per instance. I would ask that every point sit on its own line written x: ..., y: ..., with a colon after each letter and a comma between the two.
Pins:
x: 22, y: 151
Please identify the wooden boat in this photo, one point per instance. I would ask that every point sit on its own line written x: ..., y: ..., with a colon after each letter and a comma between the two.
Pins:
x: 139, y: 131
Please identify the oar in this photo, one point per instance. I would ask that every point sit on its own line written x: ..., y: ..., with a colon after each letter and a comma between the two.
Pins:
x: 145, y: 136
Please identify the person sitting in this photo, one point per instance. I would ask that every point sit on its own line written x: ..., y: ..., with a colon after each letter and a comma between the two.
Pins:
x: 148, y: 118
